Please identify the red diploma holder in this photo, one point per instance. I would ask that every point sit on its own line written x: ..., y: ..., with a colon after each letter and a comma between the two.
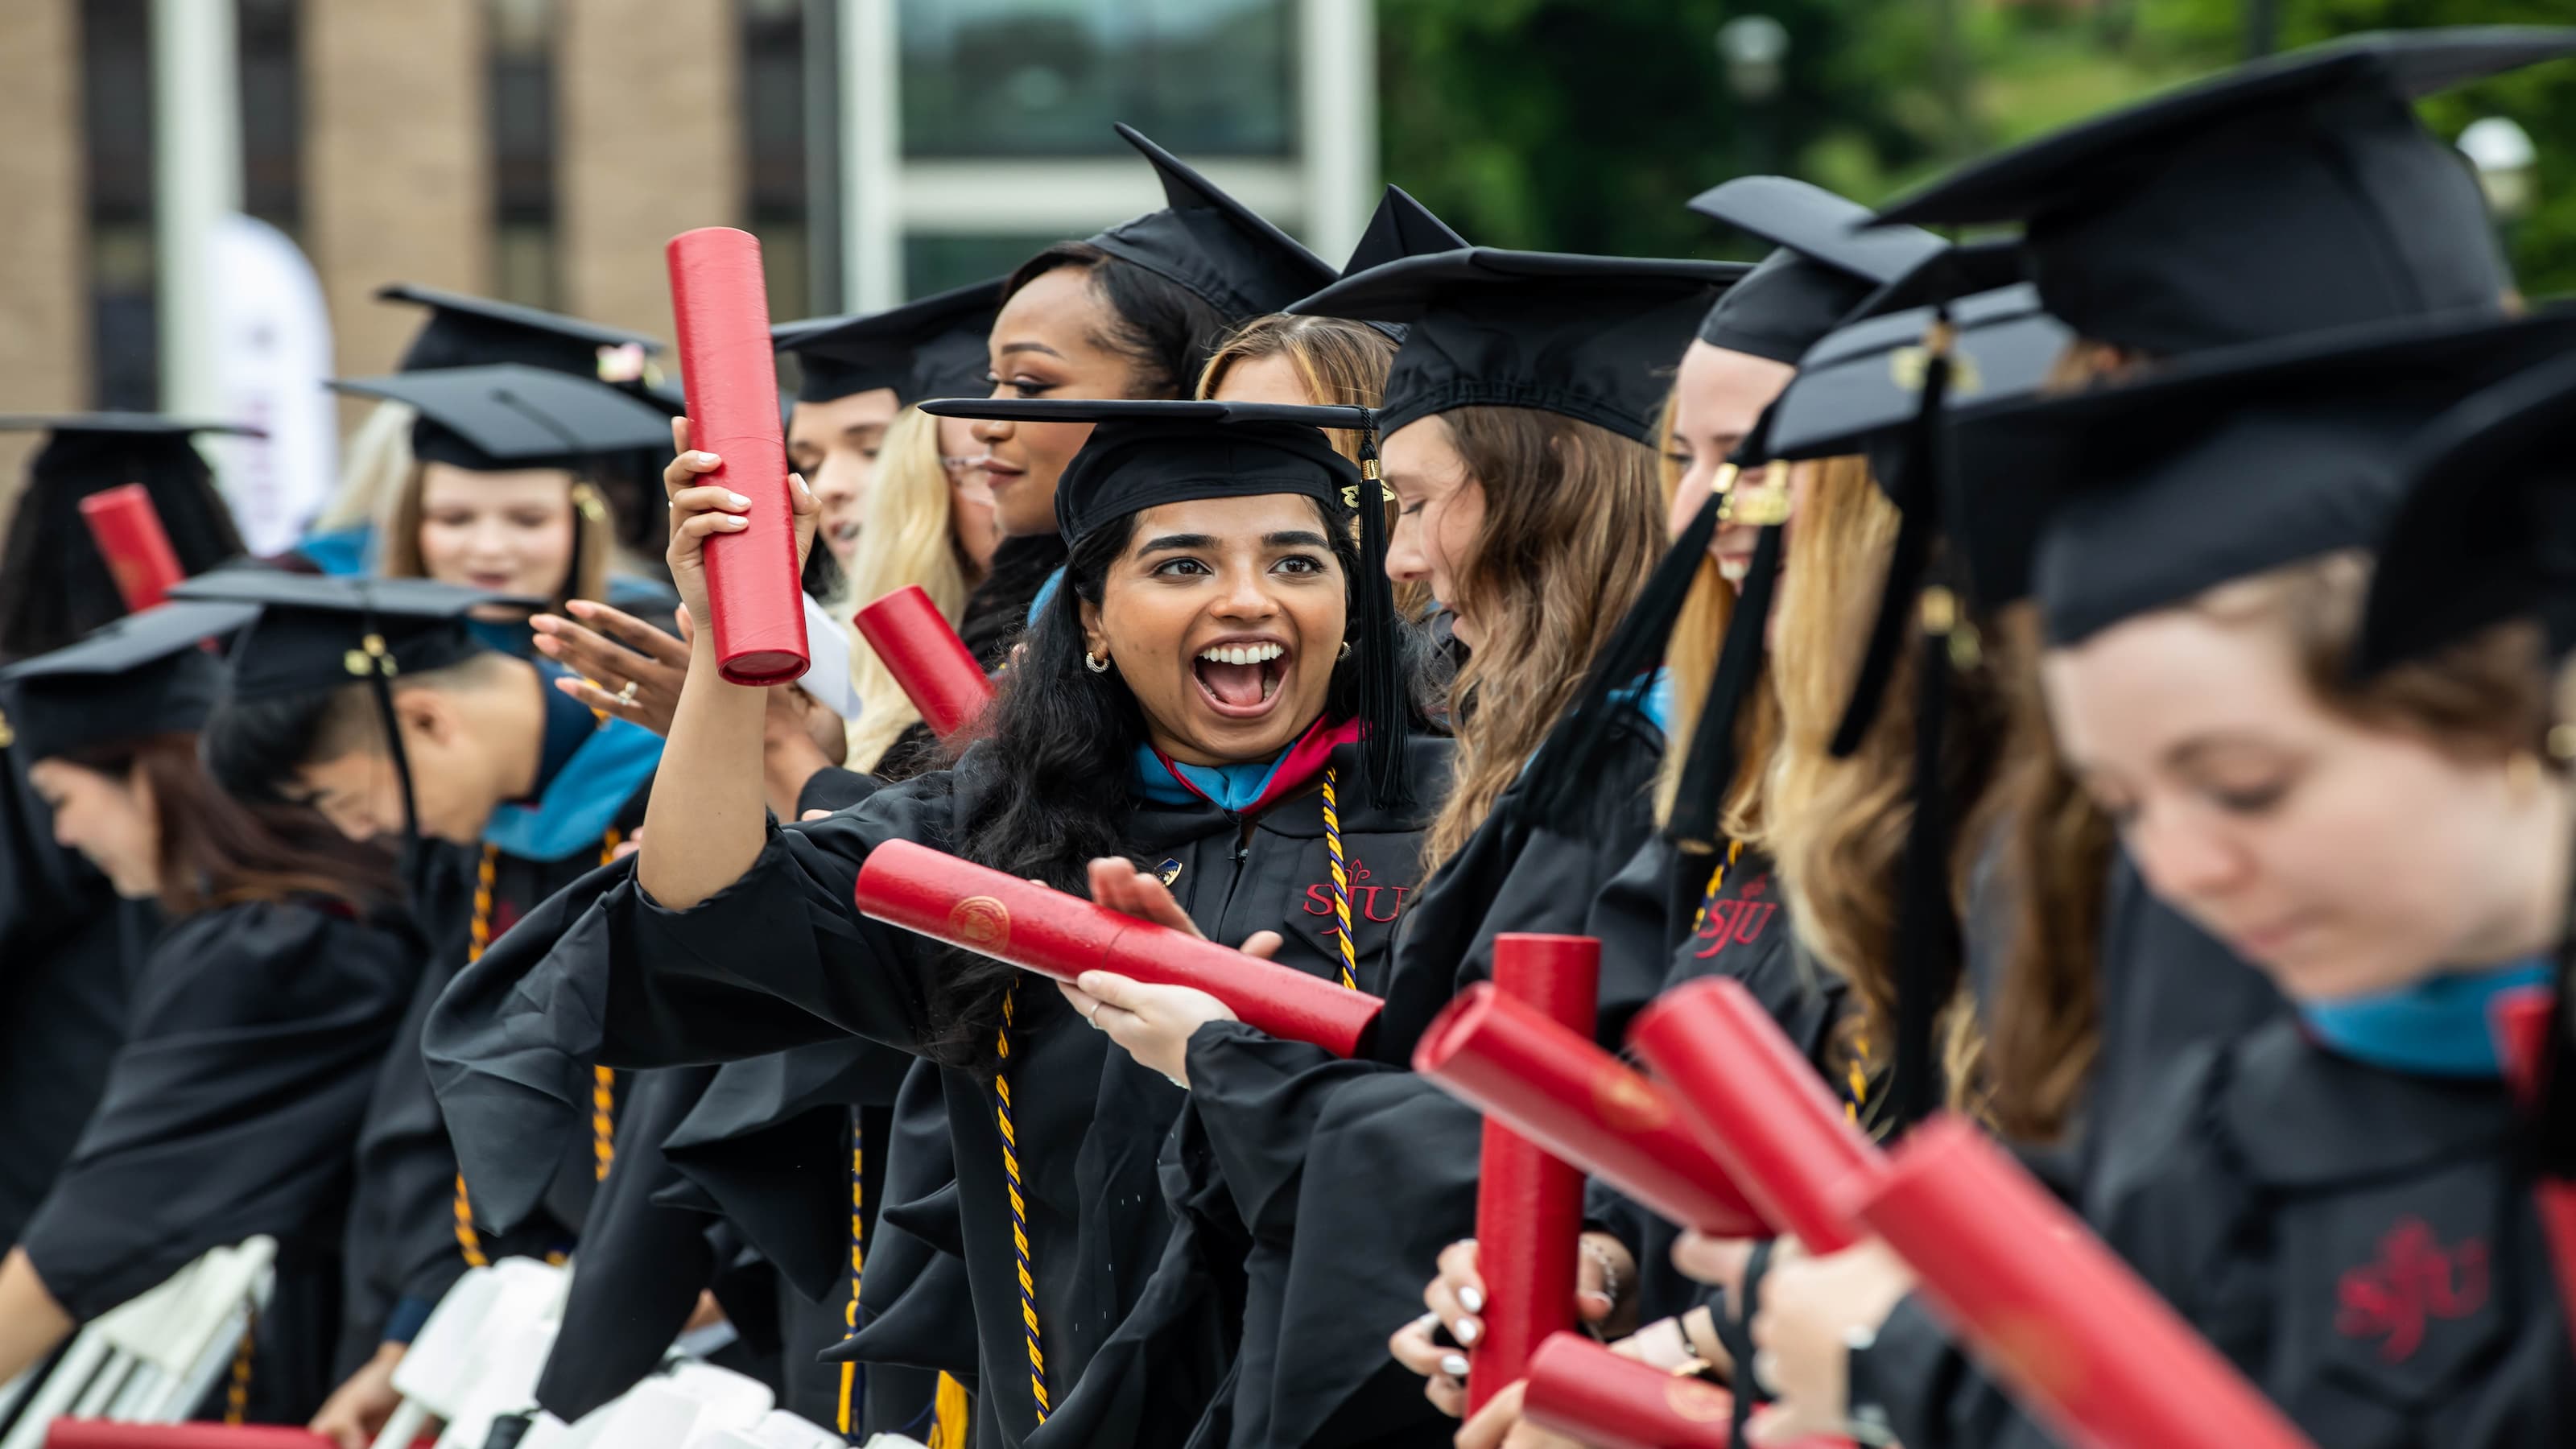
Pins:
x: 2522, y: 1022
x: 2086, y: 1347
x: 129, y: 535
x: 1584, y: 1391
x: 100, y: 1434
x: 927, y: 659
x: 1555, y: 1088
x: 1061, y: 936
x: 1529, y: 1203
x: 1759, y: 1106
x: 755, y: 593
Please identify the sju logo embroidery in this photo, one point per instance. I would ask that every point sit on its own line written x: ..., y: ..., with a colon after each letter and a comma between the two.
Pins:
x: 2412, y: 1281
x: 1739, y: 922
x: 1366, y: 900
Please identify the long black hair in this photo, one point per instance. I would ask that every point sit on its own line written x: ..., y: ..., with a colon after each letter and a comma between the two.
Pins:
x: 1047, y: 785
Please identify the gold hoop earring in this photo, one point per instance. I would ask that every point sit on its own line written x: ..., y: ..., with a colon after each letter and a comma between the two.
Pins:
x: 1346, y: 650
x: 1096, y: 666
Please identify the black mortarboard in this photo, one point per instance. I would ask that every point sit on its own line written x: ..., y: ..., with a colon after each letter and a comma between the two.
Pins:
x: 319, y: 631
x: 493, y: 419
x: 935, y: 347
x: 1142, y: 454
x: 1211, y: 244
x: 2289, y: 195
x: 2139, y: 495
x: 1829, y: 262
x: 1593, y: 338
x: 465, y: 331
x: 1863, y: 382
x: 1400, y: 227
x: 140, y: 675
x: 2487, y: 531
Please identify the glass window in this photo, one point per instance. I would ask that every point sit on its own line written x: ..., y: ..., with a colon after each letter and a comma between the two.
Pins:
x: 1047, y: 77
x: 272, y: 104
x: 773, y: 101
x: 522, y: 130
x: 937, y: 263
x: 116, y: 132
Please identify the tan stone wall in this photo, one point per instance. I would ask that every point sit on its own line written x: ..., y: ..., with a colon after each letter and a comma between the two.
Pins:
x: 649, y: 144
x: 44, y: 230
x: 397, y: 162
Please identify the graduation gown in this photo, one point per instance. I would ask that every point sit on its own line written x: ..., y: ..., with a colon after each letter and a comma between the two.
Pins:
x: 2167, y: 987
x: 916, y: 1312
x: 233, y: 1111
x: 1336, y: 1184
x: 69, y: 951
x: 406, y: 1246
x: 780, y: 958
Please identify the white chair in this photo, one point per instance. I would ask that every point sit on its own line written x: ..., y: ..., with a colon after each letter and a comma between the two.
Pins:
x: 669, y: 1411
x: 153, y: 1359
x: 484, y: 1316
x: 507, y: 1385
x: 778, y: 1429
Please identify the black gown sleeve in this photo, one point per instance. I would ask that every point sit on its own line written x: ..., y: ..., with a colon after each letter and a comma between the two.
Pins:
x: 601, y: 974
x: 234, y: 1107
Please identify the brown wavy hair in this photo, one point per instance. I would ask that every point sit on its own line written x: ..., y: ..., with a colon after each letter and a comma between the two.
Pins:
x: 218, y: 851
x: 1839, y: 826
x: 1573, y: 524
x: 2485, y: 698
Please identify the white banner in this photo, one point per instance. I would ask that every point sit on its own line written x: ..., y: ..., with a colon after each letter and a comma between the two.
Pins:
x: 271, y: 338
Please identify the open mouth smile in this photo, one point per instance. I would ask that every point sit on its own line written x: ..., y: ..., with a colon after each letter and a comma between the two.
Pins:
x: 1239, y: 678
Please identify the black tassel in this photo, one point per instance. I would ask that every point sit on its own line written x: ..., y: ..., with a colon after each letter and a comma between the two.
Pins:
x: 1709, y: 770
x: 1385, y: 712
x: 1927, y: 928
x: 1916, y: 490
x: 1563, y: 772
x: 380, y: 664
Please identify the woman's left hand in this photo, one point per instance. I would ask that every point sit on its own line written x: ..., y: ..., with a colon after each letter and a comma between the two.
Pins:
x: 1153, y: 1023
x: 615, y: 651
x: 1812, y: 1309
x: 1499, y: 1425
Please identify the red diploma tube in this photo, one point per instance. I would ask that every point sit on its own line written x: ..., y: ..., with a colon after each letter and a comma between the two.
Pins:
x: 1529, y: 1204
x: 129, y: 535
x: 1554, y: 1087
x: 1062, y: 936
x: 2522, y: 1022
x: 1759, y: 1106
x: 100, y: 1434
x: 927, y: 659
x: 1584, y: 1391
x: 2088, y: 1349
x: 754, y: 593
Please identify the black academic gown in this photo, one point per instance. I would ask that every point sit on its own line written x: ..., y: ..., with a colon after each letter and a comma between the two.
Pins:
x: 406, y: 1247
x: 233, y: 1111
x: 1338, y: 1183
x: 780, y: 958
x: 69, y: 952
x: 2167, y: 987
x: 916, y: 1311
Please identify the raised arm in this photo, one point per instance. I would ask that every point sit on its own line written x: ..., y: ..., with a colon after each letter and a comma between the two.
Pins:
x: 708, y: 816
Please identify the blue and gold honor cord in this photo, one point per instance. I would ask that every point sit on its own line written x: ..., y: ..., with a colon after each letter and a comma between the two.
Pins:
x: 1341, y: 884
x: 849, y: 1421
x: 1019, y: 1203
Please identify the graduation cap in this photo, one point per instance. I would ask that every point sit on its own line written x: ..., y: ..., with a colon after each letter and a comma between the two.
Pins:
x: 141, y: 675
x: 316, y: 634
x: 1828, y: 264
x: 2487, y: 529
x: 1143, y: 454
x: 2140, y: 495
x: 2289, y: 195
x: 1212, y: 245
x: 935, y: 347
x: 510, y: 415
x: 1400, y: 227
x: 465, y: 331
x: 1592, y: 338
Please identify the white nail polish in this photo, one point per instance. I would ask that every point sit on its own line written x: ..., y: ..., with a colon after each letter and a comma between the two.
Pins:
x: 1455, y: 1366
x: 1464, y: 1330
x: 1473, y: 1299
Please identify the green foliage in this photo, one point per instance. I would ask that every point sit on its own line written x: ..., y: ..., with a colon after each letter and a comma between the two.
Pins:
x: 1583, y: 125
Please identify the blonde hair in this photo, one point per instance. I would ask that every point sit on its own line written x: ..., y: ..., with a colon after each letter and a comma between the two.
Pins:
x: 910, y: 538
x: 594, y: 537
x: 371, y: 471
x: 1572, y: 526
x: 1341, y: 363
x: 1839, y: 827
